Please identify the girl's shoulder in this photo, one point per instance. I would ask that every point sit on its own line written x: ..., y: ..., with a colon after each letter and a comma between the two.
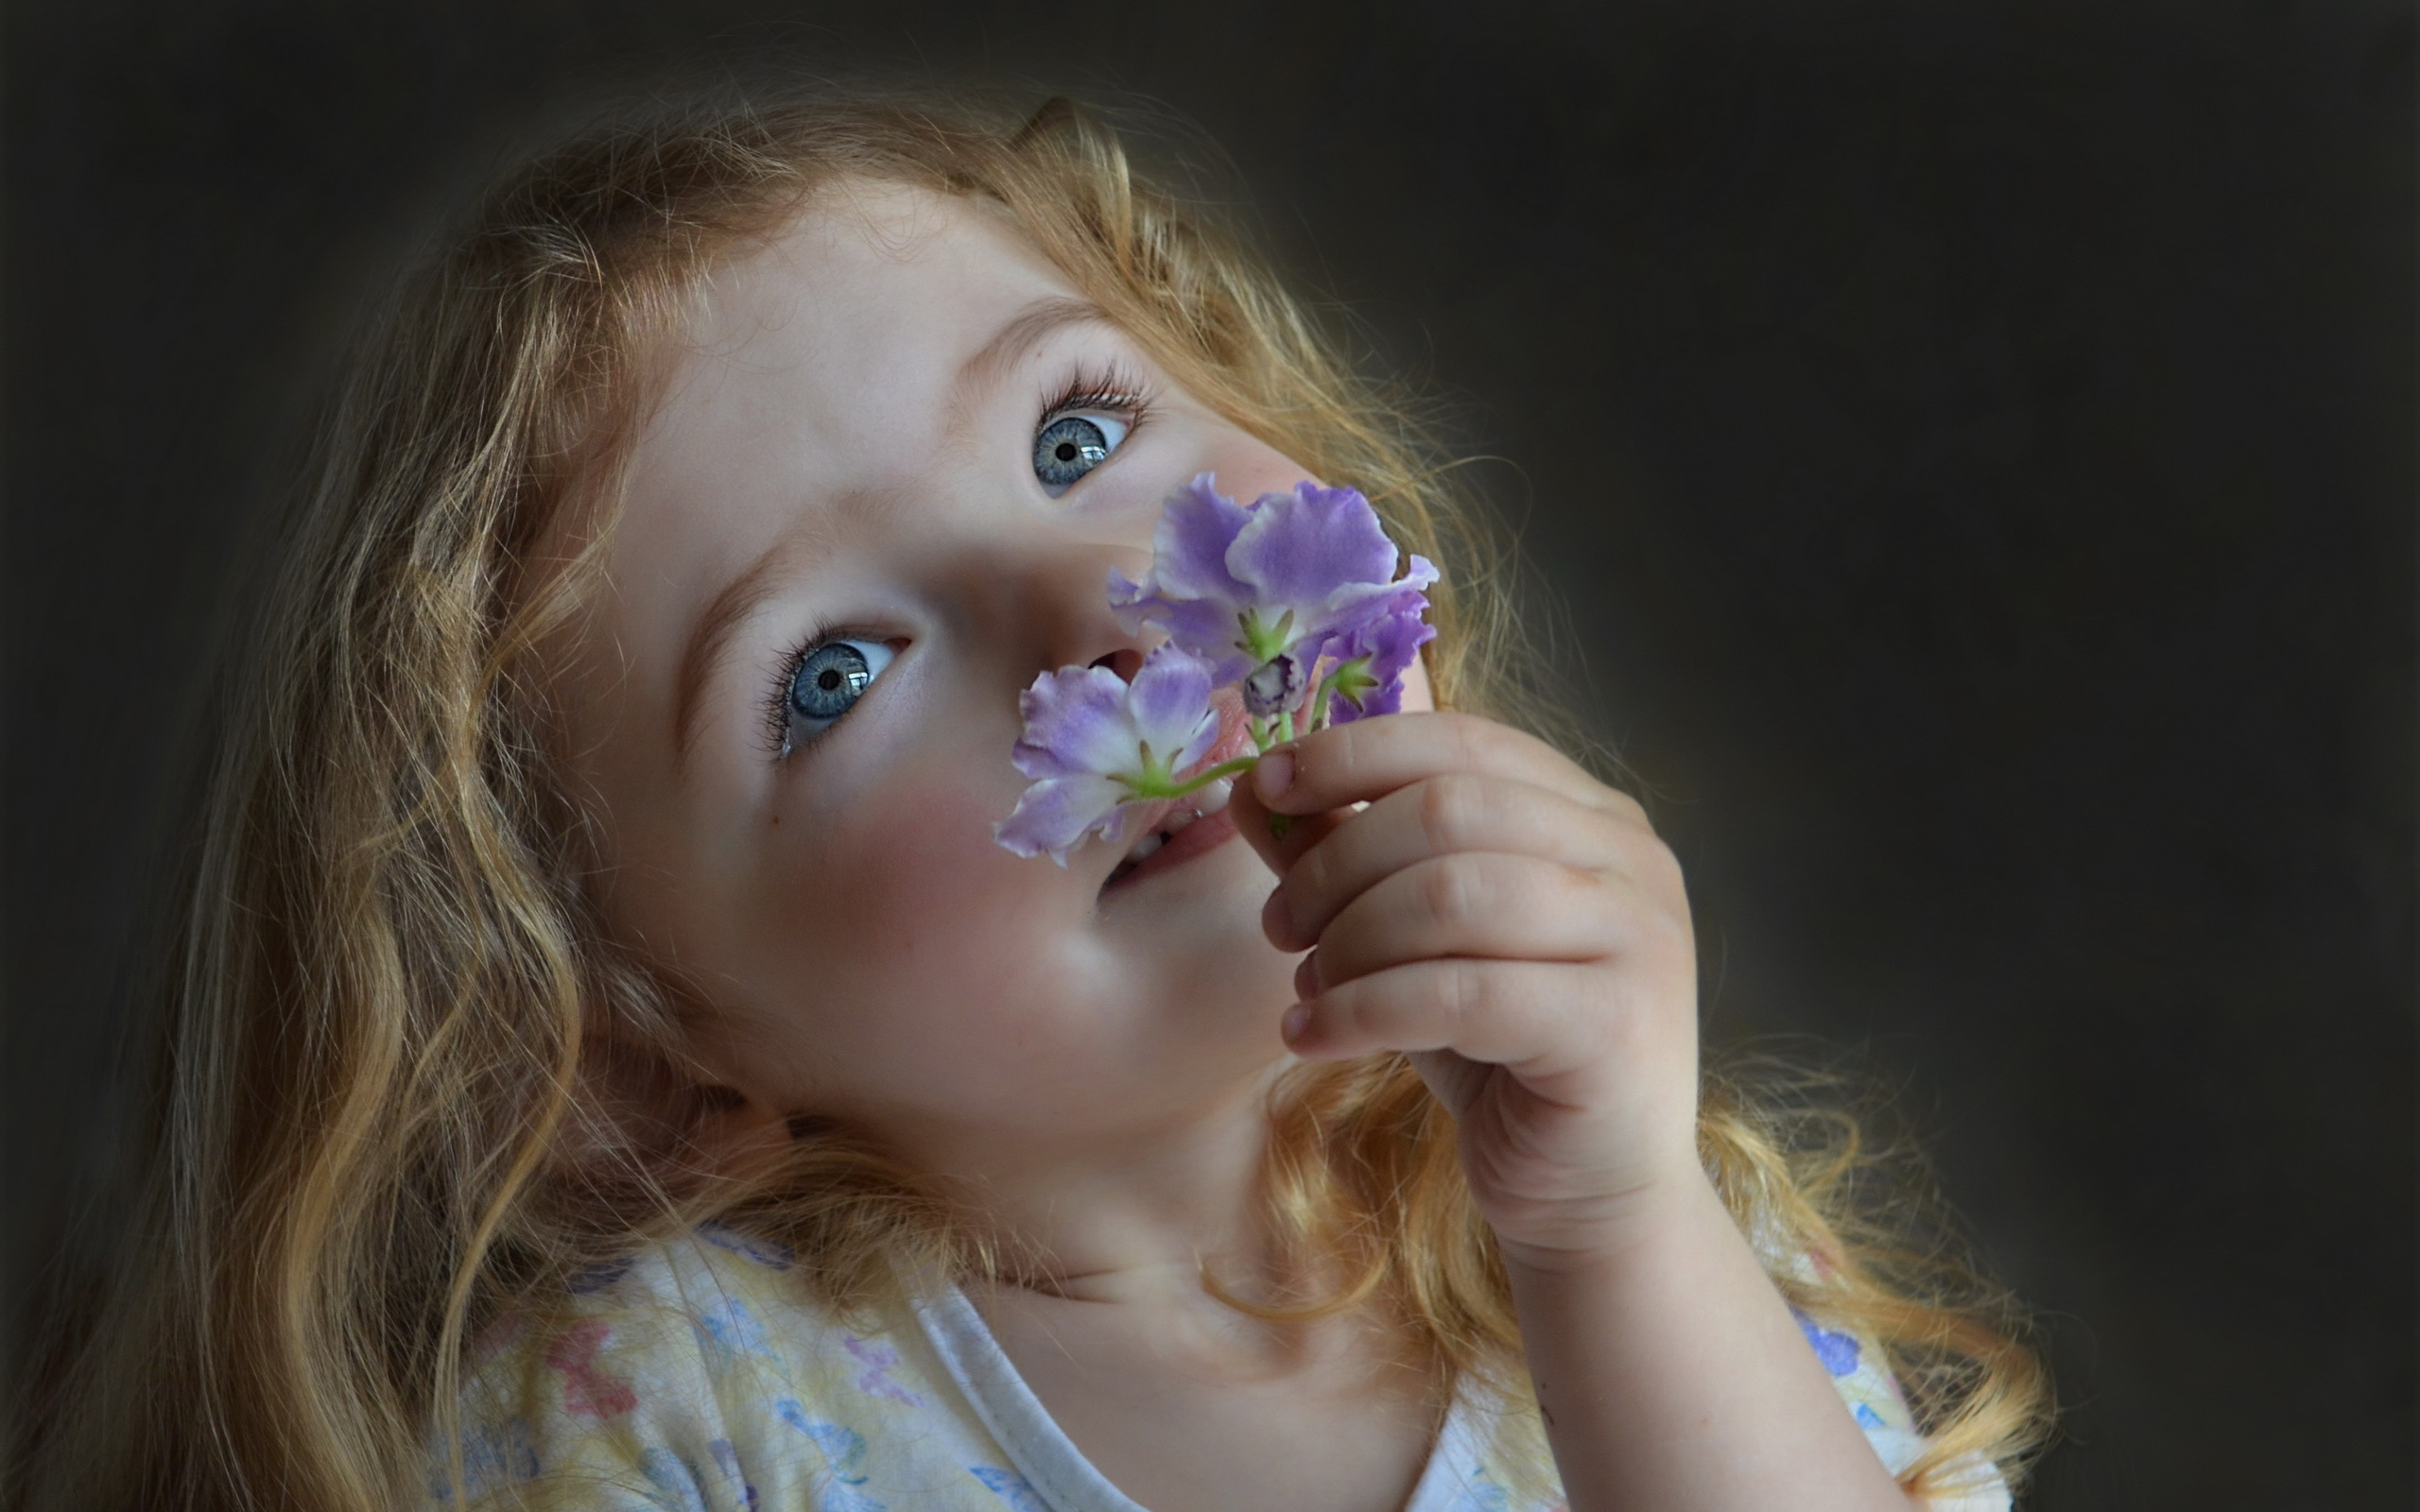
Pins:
x: 1867, y: 1387
x: 700, y: 1374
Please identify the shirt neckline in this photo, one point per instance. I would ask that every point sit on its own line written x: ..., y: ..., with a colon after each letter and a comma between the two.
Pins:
x: 1040, y: 1451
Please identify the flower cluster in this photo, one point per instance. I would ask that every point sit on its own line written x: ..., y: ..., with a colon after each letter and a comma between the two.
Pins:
x: 1292, y: 600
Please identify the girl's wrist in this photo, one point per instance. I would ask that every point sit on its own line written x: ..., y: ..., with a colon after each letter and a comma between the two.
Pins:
x: 1676, y: 1206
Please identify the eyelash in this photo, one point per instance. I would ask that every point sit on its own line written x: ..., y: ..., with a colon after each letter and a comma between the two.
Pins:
x: 777, y: 706
x: 1111, y: 389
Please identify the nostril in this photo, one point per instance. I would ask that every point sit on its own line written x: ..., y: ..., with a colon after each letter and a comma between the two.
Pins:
x: 1125, y: 662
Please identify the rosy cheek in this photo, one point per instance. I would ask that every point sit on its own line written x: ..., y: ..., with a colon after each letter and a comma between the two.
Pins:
x: 901, y: 896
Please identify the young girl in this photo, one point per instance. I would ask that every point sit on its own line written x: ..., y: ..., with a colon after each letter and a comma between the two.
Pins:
x: 614, y: 1065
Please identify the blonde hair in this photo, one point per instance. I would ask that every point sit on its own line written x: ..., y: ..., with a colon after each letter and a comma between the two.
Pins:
x: 383, y: 1114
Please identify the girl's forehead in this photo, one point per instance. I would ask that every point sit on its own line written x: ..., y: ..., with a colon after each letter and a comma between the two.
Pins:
x: 846, y: 326
x: 874, y: 260
x: 854, y: 321
x: 846, y: 338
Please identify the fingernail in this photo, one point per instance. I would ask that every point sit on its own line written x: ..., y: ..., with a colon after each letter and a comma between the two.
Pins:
x: 1297, y: 1018
x: 1272, y: 775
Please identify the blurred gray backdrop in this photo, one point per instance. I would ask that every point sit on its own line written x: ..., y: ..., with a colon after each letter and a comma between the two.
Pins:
x: 1971, y: 444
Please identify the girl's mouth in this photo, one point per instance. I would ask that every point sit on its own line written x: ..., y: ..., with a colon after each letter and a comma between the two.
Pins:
x: 1191, y: 826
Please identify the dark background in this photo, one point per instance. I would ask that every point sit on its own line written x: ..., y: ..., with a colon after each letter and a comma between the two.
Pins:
x: 1972, y: 440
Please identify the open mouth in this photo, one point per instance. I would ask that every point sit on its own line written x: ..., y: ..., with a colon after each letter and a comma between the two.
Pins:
x: 1191, y: 826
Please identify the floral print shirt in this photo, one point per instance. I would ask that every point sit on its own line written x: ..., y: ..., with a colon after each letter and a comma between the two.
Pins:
x: 695, y: 1377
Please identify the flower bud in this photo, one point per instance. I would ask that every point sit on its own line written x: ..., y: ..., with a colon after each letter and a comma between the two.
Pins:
x: 1274, y: 687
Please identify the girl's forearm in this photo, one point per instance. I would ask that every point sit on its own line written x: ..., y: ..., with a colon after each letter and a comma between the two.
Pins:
x: 1673, y: 1377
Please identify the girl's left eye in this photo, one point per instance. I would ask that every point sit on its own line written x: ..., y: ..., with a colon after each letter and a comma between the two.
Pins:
x: 1072, y: 444
x: 829, y: 679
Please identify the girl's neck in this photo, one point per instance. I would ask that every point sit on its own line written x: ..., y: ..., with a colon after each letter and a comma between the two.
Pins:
x: 1127, y: 1214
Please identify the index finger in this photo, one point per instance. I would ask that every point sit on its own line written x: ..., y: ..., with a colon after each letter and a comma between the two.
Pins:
x: 1368, y: 759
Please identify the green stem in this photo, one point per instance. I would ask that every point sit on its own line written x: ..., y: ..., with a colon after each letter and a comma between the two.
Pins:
x: 1203, y: 778
x: 1322, y: 699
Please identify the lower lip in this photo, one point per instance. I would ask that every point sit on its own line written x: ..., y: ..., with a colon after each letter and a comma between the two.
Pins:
x: 1203, y: 836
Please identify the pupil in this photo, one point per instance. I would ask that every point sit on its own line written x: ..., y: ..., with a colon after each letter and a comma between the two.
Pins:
x: 1068, y: 448
x: 835, y: 675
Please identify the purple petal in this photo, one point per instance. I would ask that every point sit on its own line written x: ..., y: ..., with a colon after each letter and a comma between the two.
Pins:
x: 1188, y: 592
x: 1357, y: 605
x: 1198, y: 527
x: 1205, y: 626
x: 1056, y: 815
x: 1075, y: 724
x: 1169, y: 706
x: 1298, y: 549
x: 1391, y: 645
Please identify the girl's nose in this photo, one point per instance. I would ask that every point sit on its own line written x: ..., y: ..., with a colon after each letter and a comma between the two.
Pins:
x: 1036, y: 606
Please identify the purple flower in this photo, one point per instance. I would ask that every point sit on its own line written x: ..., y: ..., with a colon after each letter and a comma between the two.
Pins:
x: 1375, y: 686
x: 1096, y: 745
x: 1291, y: 599
x: 1241, y: 585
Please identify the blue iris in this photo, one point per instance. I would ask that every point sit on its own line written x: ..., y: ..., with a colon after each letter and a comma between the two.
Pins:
x: 1071, y: 446
x: 829, y: 681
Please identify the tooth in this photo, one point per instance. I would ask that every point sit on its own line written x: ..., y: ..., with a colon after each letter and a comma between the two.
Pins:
x: 1214, y: 797
x: 1145, y: 846
x: 1179, y: 820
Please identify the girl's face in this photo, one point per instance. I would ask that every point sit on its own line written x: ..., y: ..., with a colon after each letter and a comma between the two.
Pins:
x: 860, y: 466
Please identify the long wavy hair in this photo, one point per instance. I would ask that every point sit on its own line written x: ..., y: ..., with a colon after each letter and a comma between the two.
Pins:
x: 395, y: 1086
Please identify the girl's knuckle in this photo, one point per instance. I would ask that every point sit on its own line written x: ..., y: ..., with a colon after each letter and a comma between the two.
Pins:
x: 1449, y: 890
x: 1449, y: 807
x: 1485, y: 994
x: 1667, y: 863
x: 1653, y: 864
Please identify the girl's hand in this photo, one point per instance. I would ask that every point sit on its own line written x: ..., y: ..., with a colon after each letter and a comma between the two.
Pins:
x: 1517, y: 927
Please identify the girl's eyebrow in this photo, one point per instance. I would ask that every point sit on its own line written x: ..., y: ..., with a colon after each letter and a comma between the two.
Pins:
x: 732, y: 605
x: 724, y: 612
x: 1020, y: 334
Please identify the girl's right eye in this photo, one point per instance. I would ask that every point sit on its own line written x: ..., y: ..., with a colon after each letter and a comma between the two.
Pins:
x: 829, y: 679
